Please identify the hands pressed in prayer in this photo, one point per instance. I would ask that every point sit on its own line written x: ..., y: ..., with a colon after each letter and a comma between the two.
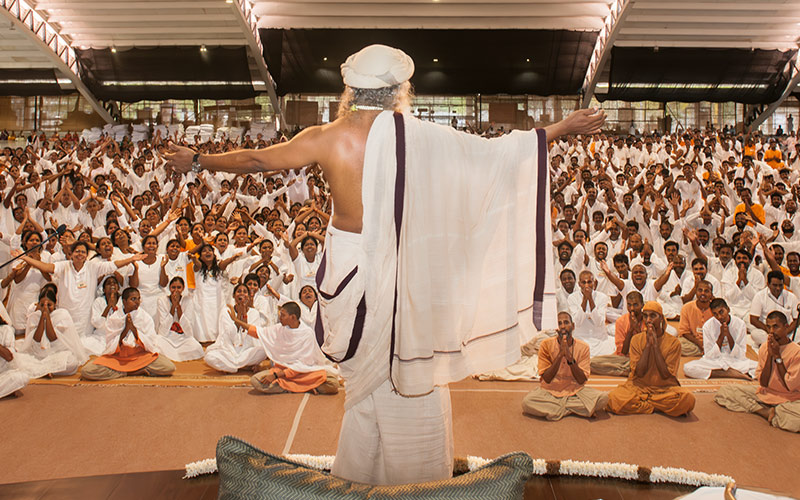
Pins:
x: 774, y: 348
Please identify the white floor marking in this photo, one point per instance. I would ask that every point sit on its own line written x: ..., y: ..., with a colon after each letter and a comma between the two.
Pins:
x: 295, y: 424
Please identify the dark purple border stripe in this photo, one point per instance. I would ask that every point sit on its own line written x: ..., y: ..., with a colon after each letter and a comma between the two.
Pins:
x: 540, y: 228
x: 399, y: 198
x: 339, y: 289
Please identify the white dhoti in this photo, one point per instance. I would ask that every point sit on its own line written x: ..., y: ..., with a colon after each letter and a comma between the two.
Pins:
x: 12, y: 378
x: 232, y: 360
x: 702, y: 368
x: 438, y: 286
x: 11, y: 381
x: 714, y: 358
x: 178, y: 347
x: 389, y: 439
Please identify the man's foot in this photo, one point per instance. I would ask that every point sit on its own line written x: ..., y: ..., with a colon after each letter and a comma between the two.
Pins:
x: 771, y: 415
x: 13, y: 395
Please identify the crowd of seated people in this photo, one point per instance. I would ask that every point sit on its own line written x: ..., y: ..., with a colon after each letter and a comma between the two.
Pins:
x: 666, y: 246
x: 155, y: 267
x: 629, y: 213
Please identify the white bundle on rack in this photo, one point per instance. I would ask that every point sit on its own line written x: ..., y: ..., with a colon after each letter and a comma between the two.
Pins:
x: 140, y: 133
x: 267, y: 131
x: 91, y: 135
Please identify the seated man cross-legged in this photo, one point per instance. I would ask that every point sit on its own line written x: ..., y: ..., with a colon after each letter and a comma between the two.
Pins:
x: 694, y: 315
x: 628, y: 325
x: 777, y: 397
x: 725, y: 346
x: 131, y: 345
x: 298, y: 365
x: 564, y: 369
x: 653, y: 384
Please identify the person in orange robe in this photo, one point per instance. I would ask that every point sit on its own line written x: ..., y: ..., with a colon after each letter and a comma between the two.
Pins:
x: 131, y: 345
x: 564, y: 369
x: 298, y: 364
x: 777, y: 397
x: 653, y: 384
x: 694, y: 315
x: 625, y: 328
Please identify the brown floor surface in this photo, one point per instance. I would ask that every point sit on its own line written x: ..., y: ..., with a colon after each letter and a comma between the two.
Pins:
x: 57, y: 432
x: 169, y: 485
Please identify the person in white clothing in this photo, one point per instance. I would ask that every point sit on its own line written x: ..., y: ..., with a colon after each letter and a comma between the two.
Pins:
x: 25, y: 283
x: 234, y: 349
x: 588, y: 308
x: 146, y: 276
x: 208, y: 296
x: 102, y: 307
x: 51, y: 345
x: 739, y: 287
x: 773, y: 298
x: 77, y: 280
x: 12, y: 377
x: 401, y: 418
x: 174, y: 324
x: 724, y: 347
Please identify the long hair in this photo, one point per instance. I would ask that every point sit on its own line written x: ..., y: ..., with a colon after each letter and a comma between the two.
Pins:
x: 213, y: 269
x: 394, y: 98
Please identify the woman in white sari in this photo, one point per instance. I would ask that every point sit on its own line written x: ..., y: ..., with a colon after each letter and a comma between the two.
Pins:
x: 51, y: 345
x: 25, y: 283
x: 102, y: 308
x: 234, y: 348
x: 174, y: 324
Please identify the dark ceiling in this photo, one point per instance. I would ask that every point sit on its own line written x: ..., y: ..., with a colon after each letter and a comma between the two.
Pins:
x: 30, y: 89
x: 469, y: 61
x: 639, y: 65
x: 222, y: 64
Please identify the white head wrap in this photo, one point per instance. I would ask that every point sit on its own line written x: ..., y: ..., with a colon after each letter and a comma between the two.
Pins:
x: 377, y: 66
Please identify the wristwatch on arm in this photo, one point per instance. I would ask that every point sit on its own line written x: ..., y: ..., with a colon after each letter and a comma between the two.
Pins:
x: 196, y: 163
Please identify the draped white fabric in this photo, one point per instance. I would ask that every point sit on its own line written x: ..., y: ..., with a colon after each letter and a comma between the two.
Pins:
x: 468, y: 256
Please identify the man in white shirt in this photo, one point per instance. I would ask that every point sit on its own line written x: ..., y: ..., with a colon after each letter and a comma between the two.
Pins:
x: 772, y: 298
x: 588, y: 309
x: 724, y: 347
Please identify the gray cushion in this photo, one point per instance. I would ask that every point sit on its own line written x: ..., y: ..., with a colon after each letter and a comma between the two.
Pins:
x: 249, y: 473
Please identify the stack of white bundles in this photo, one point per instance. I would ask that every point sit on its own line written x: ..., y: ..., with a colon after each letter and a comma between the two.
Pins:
x: 267, y: 131
x: 229, y: 133
x: 140, y: 133
x: 205, y: 131
x: 91, y: 135
x: 116, y: 132
x: 169, y: 131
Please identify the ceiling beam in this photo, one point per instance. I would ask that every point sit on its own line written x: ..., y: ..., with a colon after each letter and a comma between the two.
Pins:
x: 149, y: 30
x: 70, y: 6
x: 710, y: 18
x: 586, y: 23
x: 722, y: 7
x: 248, y: 26
x: 708, y: 31
x: 50, y: 42
x: 124, y: 41
x: 794, y: 71
x: 707, y: 44
x: 602, y: 47
x: 428, y: 10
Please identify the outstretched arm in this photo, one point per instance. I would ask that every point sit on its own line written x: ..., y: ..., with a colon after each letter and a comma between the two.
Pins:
x: 309, y: 146
x: 582, y: 121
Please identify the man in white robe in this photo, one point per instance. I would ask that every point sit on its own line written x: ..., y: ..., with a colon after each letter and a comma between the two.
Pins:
x: 464, y: 318
x: 724, y: 346
x: 588, y: 309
